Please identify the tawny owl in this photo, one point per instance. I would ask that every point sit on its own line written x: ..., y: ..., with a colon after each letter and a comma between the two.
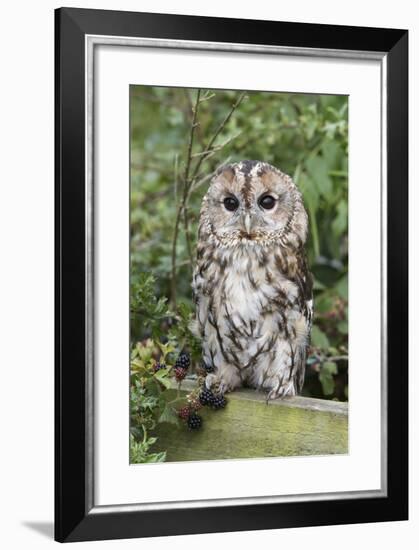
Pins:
x: 252, y: 287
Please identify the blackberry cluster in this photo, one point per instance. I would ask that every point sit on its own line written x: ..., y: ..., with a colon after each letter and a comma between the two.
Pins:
x: 159, y: 366
x: 180, y: 373
x: 194, y: 421
x: 206, y: 397
x: 216, y: 401
x: 219, y: 402
x: 183, y: 361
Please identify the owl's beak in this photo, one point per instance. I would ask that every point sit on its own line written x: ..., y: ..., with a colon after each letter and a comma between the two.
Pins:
x: 247, y: 222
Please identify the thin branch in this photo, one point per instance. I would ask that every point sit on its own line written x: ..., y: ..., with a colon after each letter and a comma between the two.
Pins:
x: 176, y: 176
x: 187, y: 233
x: 208, y: 95
x: 189, y: 116
x: 191, y: 137
x: 217, y: 148
x: 181, y: 208
x: 217, y: 132
x: 337, y: 358
x: 187, y: 181
x: 203, y: 179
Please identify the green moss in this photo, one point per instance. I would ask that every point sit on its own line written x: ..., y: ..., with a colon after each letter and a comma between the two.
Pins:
x: 250, y: 428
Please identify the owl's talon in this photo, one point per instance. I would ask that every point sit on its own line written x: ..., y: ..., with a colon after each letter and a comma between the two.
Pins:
x: 213, y: 383
x: 210, y: 381
x: 273, y: 394
x: 222, y: 388
x: 280, y: 392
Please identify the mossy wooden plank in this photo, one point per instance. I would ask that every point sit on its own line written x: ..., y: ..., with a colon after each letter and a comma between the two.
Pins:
x: 250, y: 428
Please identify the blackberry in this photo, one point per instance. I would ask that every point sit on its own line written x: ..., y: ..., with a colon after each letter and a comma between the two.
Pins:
x: 219, y: 402
x: 183, y: 361
x: 159, y: 366
x: 206, y: 397
x: 184, y: 412
x: 179, y: 373
x: 194, y: 421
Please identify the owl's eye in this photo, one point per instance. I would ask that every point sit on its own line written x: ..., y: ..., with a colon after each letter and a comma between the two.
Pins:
x: 267, y: 202
x: 231, y: 203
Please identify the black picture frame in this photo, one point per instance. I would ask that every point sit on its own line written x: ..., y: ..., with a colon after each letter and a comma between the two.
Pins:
x: 75, y: 520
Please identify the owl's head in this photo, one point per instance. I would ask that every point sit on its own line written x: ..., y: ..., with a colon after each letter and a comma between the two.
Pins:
x: 253, y: 202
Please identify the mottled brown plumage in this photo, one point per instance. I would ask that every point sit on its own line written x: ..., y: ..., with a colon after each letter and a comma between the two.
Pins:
x: 252, y: 286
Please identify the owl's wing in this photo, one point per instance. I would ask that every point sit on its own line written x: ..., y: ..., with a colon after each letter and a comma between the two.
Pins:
x: 200, y: 301
x: 304, y: 281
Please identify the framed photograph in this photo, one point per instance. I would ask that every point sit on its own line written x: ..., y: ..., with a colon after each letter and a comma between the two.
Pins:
x: 231, y: 275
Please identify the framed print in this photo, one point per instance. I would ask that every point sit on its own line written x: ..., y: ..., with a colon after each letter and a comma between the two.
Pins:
x: 231, y: 274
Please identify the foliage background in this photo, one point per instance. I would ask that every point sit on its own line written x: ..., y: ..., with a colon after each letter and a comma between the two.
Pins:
x: 304, y: 135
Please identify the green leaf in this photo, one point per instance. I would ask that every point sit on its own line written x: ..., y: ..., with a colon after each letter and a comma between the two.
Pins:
x: 330, y: 152
x: 153, y: 387
x: 168, y: 415
x: 162, y: 377
x: 145, y: 353
x: 309, y: 191
x: 342, y: 287
x: 317, y: 169
x: 137, y: 366
x: 166, y: 348
x: 340, y: 223
x: 324, y: 302
x: 155, y: 457
x: 343, y: 327
x: 319, y: 338
x: 328, y: 369
x: 317, y: 285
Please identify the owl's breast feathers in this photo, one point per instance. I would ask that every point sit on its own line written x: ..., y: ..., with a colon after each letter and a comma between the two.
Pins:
x: 246, y: 287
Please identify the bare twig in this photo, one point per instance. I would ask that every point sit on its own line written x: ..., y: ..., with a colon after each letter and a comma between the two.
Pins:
x: 181, y: 209
x: 217, y: 133
x: 198, y: 182
x: 189, y: 116
x: 216, y: 147
x: 176, y: 176
x: 187, y: 233
x: 337, y: 358
x: 208, y: 95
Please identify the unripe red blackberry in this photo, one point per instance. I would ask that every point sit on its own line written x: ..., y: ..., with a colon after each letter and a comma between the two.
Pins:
x: 183, y: 361
x: 194, y: 421
x: 184, y: 412
x: 179, y: 373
